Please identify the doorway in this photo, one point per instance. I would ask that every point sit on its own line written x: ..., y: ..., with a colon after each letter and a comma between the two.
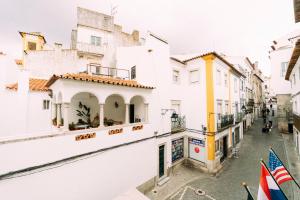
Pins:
x: 131, y: 113
x: 224, y: 148
x: 161, y: 163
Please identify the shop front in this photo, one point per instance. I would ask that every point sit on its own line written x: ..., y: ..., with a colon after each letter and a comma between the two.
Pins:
x: 177, y: 149
x: 197, y: 150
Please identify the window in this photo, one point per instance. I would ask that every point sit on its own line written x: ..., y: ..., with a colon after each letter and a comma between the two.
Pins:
x: 175, y: 76
x: 96, y: 40
x: 235, y: 85
x: 242, y: 85
x: 225, y: 80
x: 226, y: 108
x: 46, y: 104
x: 218, y: 77
x: 294, y: 78
x: 177, y: 149
x: 266, y: 87
x: 133, y: 72
x: 194, y: 76
x: 283, y: 69
x: 31, y: 45
x: 217, y: 146
x: 219, y: 109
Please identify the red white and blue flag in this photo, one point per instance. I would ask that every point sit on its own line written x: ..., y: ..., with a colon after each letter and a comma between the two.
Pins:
x: 268, y: 188
x: 277, y: 169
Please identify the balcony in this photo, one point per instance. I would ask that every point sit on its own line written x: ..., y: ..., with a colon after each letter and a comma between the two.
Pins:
x: 225, y: 121
x: 250, y: 102
x: 97, y: 69
x: 89, y: 48
x: 178, y: 124
x: 239, y: 117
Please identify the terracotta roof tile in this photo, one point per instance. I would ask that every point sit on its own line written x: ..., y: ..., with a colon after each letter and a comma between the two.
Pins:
x: 97, y: 79
x: 34, y: 85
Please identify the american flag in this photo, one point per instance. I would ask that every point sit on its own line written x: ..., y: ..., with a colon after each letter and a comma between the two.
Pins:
x: 278, y: 171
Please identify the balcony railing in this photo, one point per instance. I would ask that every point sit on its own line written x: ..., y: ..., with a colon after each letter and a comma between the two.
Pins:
x: 89, y: 48
x: 239, y: 117
x: 97, y: 69
x: 178, y: 125
x: 225, y: 121
x: 250, y: 102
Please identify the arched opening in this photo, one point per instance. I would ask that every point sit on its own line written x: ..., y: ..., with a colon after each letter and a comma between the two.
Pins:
x: 114, y: 110
x: 137, y: 112
x: 84, y: 111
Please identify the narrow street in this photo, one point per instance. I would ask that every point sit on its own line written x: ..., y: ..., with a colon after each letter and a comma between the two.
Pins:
x: 245, y: 168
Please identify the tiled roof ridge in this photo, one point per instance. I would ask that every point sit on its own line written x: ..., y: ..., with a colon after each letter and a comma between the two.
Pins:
x: 97, y: 79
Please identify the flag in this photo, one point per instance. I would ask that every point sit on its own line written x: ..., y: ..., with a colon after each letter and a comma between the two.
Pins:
x: 277, y: 169
x: 249, y: 197
x: 268, y: 188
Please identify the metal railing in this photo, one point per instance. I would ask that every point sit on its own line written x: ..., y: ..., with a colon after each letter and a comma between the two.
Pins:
x: 97, y: 69
x: 225, y: 121
x: 178, y: 125
x: 90, y: 48
x: 239, y: 117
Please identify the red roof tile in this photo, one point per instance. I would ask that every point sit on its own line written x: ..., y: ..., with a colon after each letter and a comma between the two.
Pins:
x: 34, y: 85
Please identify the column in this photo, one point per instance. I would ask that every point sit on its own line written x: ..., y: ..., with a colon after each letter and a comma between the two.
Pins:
x: 211, y: 129
x: 127, y: 113
x: 54, y: 112
x: 58, y: 114
x: 101, y: 114
x: 66, y: 108
x: 146, y: 112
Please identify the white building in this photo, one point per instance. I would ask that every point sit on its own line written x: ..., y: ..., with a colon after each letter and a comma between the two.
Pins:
x: 293, y: 75
x: 280, y: 54
x: 122, y: 126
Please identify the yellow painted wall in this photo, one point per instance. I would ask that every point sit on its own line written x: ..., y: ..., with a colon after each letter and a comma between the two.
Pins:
x: 210, y: 106
x: 32, y: 38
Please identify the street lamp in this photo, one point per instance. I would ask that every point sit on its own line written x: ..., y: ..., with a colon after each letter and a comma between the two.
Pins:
x: 243, y: 108
x: 174, y: 117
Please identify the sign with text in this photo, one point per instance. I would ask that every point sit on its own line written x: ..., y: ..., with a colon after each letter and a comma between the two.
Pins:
x: 136, y: 128
x: 115, y: 131
x: 85, y: 136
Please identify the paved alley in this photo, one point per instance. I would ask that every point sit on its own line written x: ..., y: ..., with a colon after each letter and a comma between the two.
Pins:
x: 246, y: 168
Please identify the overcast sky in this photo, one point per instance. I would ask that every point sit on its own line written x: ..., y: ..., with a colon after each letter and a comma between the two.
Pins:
x: 233, y: 27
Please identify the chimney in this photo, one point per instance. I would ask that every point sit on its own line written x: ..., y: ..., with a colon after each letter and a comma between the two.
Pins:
x: 23, y: 82
x: 136, y: 35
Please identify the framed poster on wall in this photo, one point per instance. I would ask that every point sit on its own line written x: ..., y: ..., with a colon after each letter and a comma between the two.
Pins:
x: 177, y: 149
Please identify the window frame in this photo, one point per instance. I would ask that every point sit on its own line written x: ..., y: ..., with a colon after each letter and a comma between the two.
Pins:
x: 95, y: 40
x: 46, y: 104
x: 197, y: 75
x: 174, y: 75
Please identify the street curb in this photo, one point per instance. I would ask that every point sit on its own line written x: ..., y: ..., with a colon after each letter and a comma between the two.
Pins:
x: 288, y: 162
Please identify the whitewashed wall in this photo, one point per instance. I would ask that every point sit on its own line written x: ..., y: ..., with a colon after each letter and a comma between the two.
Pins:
x: 102, y: 176
x: 278, y: 84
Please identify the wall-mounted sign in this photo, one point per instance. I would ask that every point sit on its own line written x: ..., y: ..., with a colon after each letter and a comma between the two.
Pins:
x: 85, y: 136
x: 136, y: 128
x: 115, y: 131
x: 197, y: 149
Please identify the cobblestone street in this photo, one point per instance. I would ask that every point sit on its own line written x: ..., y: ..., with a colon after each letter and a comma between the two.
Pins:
x: 245, y: 168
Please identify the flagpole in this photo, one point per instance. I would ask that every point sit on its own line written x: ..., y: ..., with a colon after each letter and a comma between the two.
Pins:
x: 285, y: 167
x: 247, y: 189
x: 262, y: 161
